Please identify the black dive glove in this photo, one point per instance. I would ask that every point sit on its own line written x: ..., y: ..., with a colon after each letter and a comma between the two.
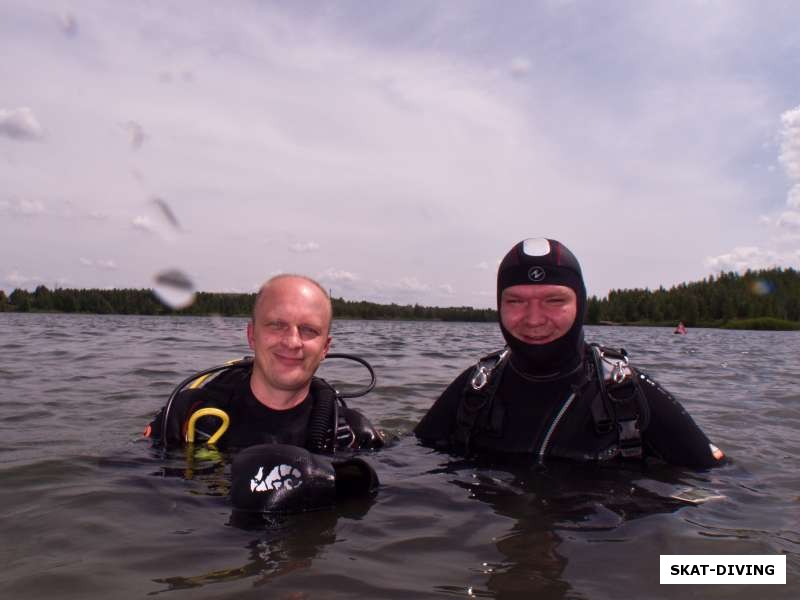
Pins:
x: 277, y: 478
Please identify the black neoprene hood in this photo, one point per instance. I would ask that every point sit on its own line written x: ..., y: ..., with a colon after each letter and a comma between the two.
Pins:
x: 543, y: 261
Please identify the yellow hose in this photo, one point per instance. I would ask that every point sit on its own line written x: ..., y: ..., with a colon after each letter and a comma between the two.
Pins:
x: 206, y: 412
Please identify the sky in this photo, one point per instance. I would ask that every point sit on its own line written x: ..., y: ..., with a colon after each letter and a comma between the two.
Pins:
x: 395, y: 151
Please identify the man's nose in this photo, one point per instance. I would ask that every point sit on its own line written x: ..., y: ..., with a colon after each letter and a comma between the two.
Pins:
x: 292, y: 338
x: 534, y: 315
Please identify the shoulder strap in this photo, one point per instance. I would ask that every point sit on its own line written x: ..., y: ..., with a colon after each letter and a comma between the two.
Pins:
x: 477, y: 400
x: 620, y: 403
x: 170, y: 417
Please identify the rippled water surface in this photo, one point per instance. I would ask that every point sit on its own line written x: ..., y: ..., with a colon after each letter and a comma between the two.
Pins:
x: 88, y: 510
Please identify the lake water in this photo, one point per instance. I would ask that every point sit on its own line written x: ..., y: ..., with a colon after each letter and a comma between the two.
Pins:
x: 89, y: 510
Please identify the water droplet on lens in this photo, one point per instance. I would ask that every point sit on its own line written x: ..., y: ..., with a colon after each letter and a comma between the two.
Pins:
x: 761, y: 287
x: 166, y: 212
x: 174, y: 288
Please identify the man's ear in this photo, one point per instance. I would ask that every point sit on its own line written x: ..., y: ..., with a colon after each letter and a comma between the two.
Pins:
x: 327, y: 347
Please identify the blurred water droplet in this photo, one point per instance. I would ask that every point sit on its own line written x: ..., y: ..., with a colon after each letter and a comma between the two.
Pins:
x: 174, y: 288
x: 761, y: 287
x: 166, y: 211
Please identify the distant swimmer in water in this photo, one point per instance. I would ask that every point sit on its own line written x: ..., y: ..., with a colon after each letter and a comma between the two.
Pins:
x: 680, y: 329
x: 272, y: 404
x: 548, y: 394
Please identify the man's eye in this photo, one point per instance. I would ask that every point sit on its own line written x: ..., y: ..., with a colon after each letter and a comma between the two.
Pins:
x: 277, y: 326
x: 557, y: 301
x: 307, y: 332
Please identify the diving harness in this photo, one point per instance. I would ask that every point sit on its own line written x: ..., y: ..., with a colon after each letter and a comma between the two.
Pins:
x: 619, y: 403
x: 327, y: 427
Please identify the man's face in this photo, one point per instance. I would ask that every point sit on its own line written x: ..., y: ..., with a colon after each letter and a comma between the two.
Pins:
x: 289, y: 334
x: 538, y: 314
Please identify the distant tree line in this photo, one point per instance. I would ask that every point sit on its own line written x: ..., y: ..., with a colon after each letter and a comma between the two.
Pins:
x: 713, y: 302
x: 145, y: 302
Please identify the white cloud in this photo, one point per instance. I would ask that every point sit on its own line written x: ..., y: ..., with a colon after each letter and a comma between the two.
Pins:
x: 100, y: 264
x: 412, y: 284
x: 794, y: 196
x: 303, y: 247
x: 22, y: 207
x: 790, y: 143
x: 16, y: 279
x: 144, y: 224
x: 482, y: 266
x: 337, y: 276
x: 520, y: 67
x: 20, y: 124
x: 743, y: 258
x: 783, y: 230
x: 790, y: 220
x: 447, y: 289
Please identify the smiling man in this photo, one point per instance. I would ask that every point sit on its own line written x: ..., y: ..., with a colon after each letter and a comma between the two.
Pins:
x: 275, y: 399
x: 289, y: 334
x: 550, y: 395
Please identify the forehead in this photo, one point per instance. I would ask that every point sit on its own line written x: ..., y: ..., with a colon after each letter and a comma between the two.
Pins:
x: 538, y: 291
x: 294, y: 298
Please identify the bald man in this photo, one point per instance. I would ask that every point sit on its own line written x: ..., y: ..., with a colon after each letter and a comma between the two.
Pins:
x: 277, y: 399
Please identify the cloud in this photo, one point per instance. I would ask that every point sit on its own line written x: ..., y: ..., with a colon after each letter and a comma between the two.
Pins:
x: 136, y: 133
x: 16, y: 279
x: 520, y: 67
x: 482, y: 266
x: 790, y: 143
x: 99, y: 264
x: 790, y: 159
x: 144, y: 224
x: 303, y: 247
x: 412, y: 284
x: 793, y: 200
x: 20, y: 124
x: 790, y: 220
x: 187, y: 76
x: 337, y: 276
x: 448, y: 289
x: 784, y: 228
x: 743, y: 258
x: 23, y: 207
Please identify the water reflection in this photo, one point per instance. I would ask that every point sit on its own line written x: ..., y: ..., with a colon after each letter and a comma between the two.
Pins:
x: 550, y: 507
x: 288, y: 543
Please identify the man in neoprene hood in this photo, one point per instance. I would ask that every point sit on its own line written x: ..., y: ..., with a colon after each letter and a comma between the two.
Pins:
x: 549, y: 394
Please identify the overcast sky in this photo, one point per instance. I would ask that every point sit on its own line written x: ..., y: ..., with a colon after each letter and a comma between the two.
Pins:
x: 395, y: 150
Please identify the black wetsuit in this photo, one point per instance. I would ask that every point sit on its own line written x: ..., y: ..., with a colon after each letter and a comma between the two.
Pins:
x: 251, y: 422
x: 529, y: 408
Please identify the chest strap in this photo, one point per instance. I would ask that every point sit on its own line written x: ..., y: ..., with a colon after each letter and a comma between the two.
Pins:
x: 477, y: 402
x: 621, y: 402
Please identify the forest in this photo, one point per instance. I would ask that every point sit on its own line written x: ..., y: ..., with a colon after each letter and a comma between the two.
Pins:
x: 768, y: 299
